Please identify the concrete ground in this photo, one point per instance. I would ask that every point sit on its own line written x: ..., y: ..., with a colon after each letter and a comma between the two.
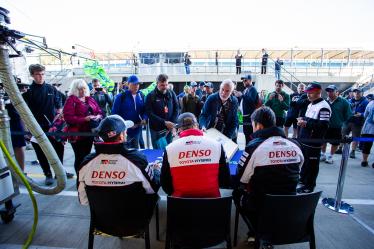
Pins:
x: 64, y: 223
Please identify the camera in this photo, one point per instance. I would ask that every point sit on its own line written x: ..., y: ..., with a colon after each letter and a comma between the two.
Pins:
x: 99, y: 89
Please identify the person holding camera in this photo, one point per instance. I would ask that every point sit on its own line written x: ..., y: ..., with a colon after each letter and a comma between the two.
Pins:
x: 279, y: 102
x: 101, y: 97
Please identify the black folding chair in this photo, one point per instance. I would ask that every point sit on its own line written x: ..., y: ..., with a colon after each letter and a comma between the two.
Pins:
x: 285, y: 219
x: 198, y: 222
x: 121, y: 212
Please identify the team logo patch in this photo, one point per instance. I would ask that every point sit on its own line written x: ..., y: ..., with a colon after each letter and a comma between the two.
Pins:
x: 279, y: 143
x: 107, y: 162
x: 192, y: 142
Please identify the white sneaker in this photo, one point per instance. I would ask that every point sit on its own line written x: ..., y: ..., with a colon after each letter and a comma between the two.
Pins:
x: 322, y: 158
x: 329, y: 160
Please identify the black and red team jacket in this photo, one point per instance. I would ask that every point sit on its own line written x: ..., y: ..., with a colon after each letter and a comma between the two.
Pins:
x: 194, y: 166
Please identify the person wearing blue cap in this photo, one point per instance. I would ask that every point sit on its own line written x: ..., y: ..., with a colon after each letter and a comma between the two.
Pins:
x: 113, y: 165
x: 130, y: 105
x: 250, y: 101
x: 313, y: 126
x: 340, y: 113
x: 200, y: 91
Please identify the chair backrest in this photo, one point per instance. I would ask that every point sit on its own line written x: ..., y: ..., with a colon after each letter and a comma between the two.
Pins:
x: 198, y: 222
x: 119, y: 211
x: 287, y: 219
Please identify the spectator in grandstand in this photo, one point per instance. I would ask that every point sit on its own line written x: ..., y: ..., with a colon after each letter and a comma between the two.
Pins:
x: 354, y: 124
x: 187, y: 63
x: 130, y: 165
x: 208, y: 91
x: 191, y: 102
x: 82, y: 114
x: 217, y: 61
x: 250, y: 101
x: 45, y: 103
x: 185, y: 173
x: 238, y: 62
x: 340, y: 114
x: 162, y: 110
x: 101, y: 97
x: 259, y: 174
x: 220, y: 111
x: 200, y: 91
x: 278, y: 66
x: 130, y: 105
x: 314, y: 125
x: 264, y: 61
x: 279, y: 102
x: 367, y: 131
x: 293, y: 111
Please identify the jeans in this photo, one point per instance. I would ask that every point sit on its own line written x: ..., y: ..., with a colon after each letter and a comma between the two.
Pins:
x: 160, y: 139
x: 277, y: 74
x: 187, y: 69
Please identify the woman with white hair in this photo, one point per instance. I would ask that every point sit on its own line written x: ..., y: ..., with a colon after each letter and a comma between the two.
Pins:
x: 81, y: 113
x: 220, y: 111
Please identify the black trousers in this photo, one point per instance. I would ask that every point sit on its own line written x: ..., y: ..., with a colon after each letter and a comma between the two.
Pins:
x: 238, y: 69
x: 310, y: 169
x: 59, y: 148
x: 280, y: 121
x: 248, y: 130
x: 81, y: 148
x: 263, y: 69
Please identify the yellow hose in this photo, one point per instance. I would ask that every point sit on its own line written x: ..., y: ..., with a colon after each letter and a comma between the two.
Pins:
x: 26, y: 183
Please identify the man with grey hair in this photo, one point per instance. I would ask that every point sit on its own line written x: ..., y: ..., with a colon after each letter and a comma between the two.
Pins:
x: 220, y: 110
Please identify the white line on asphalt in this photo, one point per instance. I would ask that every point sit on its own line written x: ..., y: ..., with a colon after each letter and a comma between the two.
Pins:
x: 359, y: 221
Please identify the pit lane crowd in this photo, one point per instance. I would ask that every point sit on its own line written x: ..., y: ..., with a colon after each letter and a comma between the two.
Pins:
x: 273, y: 162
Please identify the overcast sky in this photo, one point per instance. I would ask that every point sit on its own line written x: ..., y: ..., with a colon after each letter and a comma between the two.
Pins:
x: 169, y: 25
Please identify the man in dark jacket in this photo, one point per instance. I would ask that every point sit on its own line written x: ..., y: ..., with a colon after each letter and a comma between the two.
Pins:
x: 269, y: 165
x: 208, y: 91
x: 220, y: 111
x: 356, y: 121
x: 113, y: 165
x: 101, y: 97
x: 130, y: 106
x: 313, y: 126
x: 293, y: 111
x: 248, y: 105
x: 45, y: 103
x: 161, y: 107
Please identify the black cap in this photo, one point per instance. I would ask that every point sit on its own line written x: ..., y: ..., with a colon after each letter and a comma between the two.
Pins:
x: 356, y: 90
x: 186, y: 119
x: 202, y: 83
x: 313, y: 87
x: 331, y: 87
x: 370, y: 96
x: 113, y: 125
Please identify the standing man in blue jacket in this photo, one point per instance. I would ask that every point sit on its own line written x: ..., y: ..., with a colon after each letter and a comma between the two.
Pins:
x: 220, y: 111
x: 130, y: 106
x: 248, y: 105
x: 161, y: 107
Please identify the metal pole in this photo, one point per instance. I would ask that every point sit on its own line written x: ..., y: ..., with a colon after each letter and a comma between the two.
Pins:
x: 337, y: 204
x: 147, y: 135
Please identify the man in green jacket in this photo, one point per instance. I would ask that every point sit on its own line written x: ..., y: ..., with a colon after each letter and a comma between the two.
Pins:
x: 279, y: 102
x: 340, y: 113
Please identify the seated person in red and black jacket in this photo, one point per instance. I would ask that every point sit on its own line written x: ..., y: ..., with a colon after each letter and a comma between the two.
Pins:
x: 270, y: 164
x: 194, y: 165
